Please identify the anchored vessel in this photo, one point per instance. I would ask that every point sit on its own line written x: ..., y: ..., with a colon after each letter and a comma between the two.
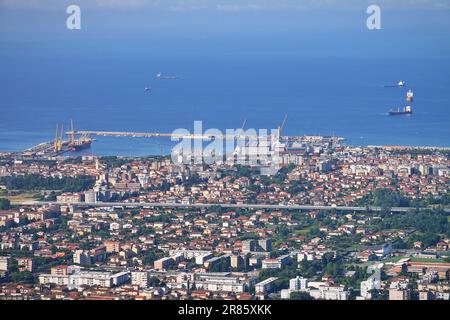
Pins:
x: 409, y: 95
x: 80, y: 144
x: 405, y: 110
x: 409, y: 99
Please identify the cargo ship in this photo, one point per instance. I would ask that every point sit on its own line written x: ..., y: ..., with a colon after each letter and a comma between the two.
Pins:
x: 80, y: 144
x: 405, y: 110
x: 84, y: 142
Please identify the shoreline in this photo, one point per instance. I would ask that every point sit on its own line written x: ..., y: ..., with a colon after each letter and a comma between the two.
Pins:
x: 383, y: 147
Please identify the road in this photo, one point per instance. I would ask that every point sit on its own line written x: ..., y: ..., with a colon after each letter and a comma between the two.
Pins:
x: 209, y: 205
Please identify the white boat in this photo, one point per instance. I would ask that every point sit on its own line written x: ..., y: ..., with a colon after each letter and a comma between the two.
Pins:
x: 409, y: 96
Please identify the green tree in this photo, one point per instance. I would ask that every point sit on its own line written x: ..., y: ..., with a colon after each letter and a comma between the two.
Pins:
x: 4, y: 204
x: 24, y: 277
x: 298, y: 295
x: 38, y: 182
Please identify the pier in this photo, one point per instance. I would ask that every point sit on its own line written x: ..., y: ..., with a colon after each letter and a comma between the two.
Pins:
x: 81, y: 139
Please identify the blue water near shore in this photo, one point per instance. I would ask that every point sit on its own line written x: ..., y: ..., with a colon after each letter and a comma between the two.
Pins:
x: 101, y: 87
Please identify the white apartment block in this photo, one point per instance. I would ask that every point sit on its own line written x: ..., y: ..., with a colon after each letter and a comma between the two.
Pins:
x: 298, y: 284
x: 4, y: 263
x: 86, y: 278
x: 140, y: 278
x: 328, y: 292
x: 189, y: 254
x: 265, y: 286
x: 219, y: 282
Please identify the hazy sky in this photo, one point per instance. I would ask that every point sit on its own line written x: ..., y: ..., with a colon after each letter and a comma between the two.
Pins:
x: 303, y: 27
x: 227, y: 5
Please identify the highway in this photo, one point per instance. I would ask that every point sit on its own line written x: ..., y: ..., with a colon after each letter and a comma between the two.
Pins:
x: 209, y: 205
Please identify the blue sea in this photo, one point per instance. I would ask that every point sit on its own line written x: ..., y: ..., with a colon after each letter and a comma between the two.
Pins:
x: 329, y: 81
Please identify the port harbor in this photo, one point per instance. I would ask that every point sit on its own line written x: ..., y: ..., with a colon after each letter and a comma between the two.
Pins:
x: 72, y: 141
x: 79, y: 140
x: 68, y: 143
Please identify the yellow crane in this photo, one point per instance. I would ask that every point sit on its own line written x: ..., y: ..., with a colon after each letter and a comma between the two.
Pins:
x: 61, y: 138
x: 55, y: 143
x: 58, y: 143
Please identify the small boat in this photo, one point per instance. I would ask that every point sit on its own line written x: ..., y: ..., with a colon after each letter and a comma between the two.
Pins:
x: 409, y: 96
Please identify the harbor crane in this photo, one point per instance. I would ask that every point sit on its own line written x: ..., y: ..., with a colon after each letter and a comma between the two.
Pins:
x: 58, y: 143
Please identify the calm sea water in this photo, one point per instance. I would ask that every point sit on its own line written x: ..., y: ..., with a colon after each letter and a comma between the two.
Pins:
x: 101, y: 87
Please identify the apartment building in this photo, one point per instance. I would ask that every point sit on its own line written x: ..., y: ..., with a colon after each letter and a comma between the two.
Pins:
x: 79, y: 278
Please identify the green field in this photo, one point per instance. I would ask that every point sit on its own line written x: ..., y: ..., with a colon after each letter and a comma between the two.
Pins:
x: 22, y: 197
x: 414, y: 259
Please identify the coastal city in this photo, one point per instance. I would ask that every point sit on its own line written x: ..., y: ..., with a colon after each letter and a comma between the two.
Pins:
x: 224, y: 158
x: 335, y: 222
